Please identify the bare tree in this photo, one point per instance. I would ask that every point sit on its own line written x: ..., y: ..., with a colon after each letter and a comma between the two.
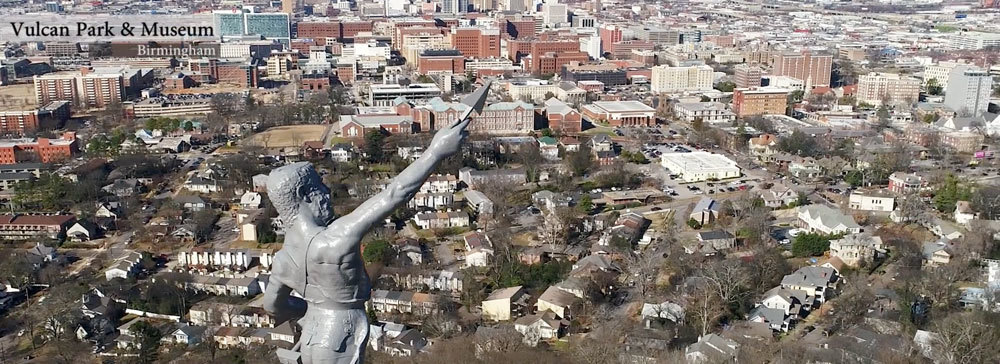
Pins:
x: 728, y: 279
x: 704, y: 306
x: 966, y: 337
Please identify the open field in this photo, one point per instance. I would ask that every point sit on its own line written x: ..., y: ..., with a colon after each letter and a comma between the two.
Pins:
x: 17, y: 97
x: 288, y: 136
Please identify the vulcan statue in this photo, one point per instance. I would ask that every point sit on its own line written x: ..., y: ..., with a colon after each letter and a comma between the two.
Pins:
x: 321, y: 260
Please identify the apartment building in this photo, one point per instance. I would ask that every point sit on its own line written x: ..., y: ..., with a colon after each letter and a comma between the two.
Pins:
x: 814, y: 69
x: 677, y: 79
x: 875, y: 87
x: 759, y: 101
x: 43, y: 150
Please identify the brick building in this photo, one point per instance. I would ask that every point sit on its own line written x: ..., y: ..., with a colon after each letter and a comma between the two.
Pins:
x: 43, y: 150
x: 623, y: 49
x: 759, y: 101
x: 814, y: 69
x: 50, y: 116
x: 475, y: 42
x: 562, y: 117
x: 441, y: 61
x: 315, y: 82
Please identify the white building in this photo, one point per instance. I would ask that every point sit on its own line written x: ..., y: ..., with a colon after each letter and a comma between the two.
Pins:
x: 976, y: 40
x: 968, y: 90
x: 710, y: 112
x: 872, y: 201
x: 897, y: 89
x: 856, y: 248
x: 677, y: 79
x: 826, y: 220
x: 786, y: 82
x: 941, y: 71
x: 700, y: 166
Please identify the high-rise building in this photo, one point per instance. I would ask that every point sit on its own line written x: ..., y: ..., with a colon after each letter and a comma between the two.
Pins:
x: 555, y: 14
x: 940, y: 71
x: 875, y: 87
x: 519, y: 26
x: 609, y: 35
x: 454, y: 6
x: 289, y: 6
x: 476, y: 42
x: 759, y: 101
x: 814, y: 69
x: 272, y: 26
x: 968, y: 91
x: 676, y: 79
x: 89, y: 87
x: 976, y: 40
x: 748, y: 76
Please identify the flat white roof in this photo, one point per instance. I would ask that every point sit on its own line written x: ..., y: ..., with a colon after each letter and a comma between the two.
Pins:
x: 698, y: 161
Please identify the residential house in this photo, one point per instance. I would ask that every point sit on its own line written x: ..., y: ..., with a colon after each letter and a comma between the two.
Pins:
x: 541, y: 326
x: 341, y: 153
x: 872, y: 200
x: 442, y: 219
x: 225, y: 314
x: 712, y: 241
x: 222, y: 286
x: 108, y: 210
x: 901, y: 183
x: 449, y: 281
x: 816, y: 281
x: 712, y: 348
x: 126, y: 267
x: 440, y: 183
x: 857, y: 249
x: 190, y: 203
x: 410, y: 251
x: 570, y: 144
x: 662, y: 312
x: 504, y: 304
x: 284, y: 332
x: 478, y: 249
x: 397, y: 342
x: 549, y: 200
x: 764, y: 146
x: 201, y: 185
x: 944, y: 229
x: 238, y: 337
x: 805, y: 168
x: 124, y: 187
x: 964, y: 213
x: 558, y: 301
x: 431, y: 200
x: 405, y: 302
x: 548, y: 147
x: 780, y: 194
x: 938, y: 252
x: 826, y: 220
x: 185, y: 334
x: 774, y: 318
x: 629, y: 228
x: 705, y: 211
x: 81, y: 231
x: 251, y: 200
x: 601, y: 143
x: 474, y: 178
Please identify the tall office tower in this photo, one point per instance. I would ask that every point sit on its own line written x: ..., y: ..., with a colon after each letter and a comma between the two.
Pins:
x: 875, y: 87
x: 609, y: 35
x: 514, y: 5
x: 814, y: 69
x: 968, y: 91
x: 748, y: 76
x: 454, y: 6
x: 555, y: 14
x: 476, y: 42
x: 271, y: 26
x: 289, y: 6
x: 941, y: 71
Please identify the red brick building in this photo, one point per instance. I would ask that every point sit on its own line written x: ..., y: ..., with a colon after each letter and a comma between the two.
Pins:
x: 52, y: 115
x: 345, y: 73
x: 609, y: 34
x: 441, y: 61
x: 519, y: 27
x: 43, y: 150
x: 476, y: 42
x: 239, y: 73
x: 623, y: 49
x: 562, y: 117
x: 315, y: 82
x: 542, y: 56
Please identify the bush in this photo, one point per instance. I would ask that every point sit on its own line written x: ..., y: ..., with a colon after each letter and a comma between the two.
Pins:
x: 810, y: 245
x: 377, y: 251
x: 694, y: 224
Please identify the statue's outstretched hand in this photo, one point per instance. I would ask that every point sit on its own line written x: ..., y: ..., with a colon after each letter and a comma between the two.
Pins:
x: 448, y: 140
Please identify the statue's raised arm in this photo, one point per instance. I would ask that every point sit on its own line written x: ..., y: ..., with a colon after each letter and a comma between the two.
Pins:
x: 447, y: 141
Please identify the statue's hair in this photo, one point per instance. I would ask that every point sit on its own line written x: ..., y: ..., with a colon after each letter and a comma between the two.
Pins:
x: 285, y: 187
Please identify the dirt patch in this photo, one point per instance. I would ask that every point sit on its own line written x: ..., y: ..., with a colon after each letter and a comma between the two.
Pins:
x: 18, y: 97
x: 288, y: 136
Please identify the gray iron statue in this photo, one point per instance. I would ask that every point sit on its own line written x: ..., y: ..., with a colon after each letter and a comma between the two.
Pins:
x: 321, y: 260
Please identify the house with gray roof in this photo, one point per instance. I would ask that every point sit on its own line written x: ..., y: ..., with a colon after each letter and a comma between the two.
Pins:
x: 712, y: 348
x: 815, y: 281
x: 826, y: 220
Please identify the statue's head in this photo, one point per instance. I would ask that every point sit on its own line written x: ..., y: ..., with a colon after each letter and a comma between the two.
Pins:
x: 296, y: 190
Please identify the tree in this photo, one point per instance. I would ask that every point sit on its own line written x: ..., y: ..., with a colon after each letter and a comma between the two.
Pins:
x: 810, y: 244
x: 147, y: 340
x: 374, y: 142
x: 966, y: 337
x: 377, y: 251
x: 581, y: 161
x: 949, y: 193
x: 799, y: 143
x: 704, y: 306
x: 694, y: 224
x: 204, y: 224
x: 726, y: 86
x: 934, y: 87
x: 586, y: 203
x: 729, y: 280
